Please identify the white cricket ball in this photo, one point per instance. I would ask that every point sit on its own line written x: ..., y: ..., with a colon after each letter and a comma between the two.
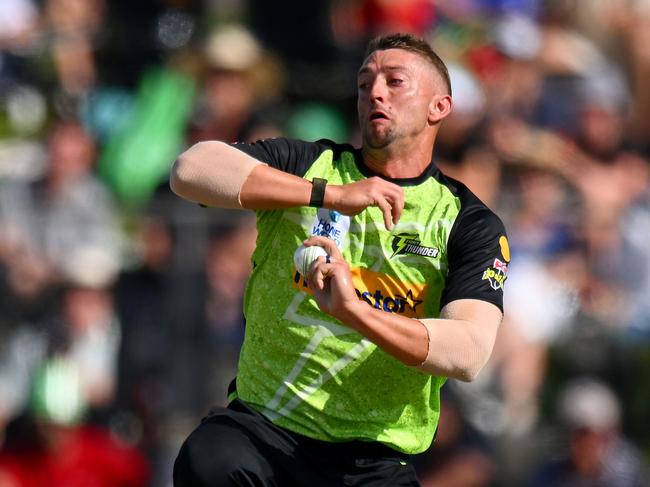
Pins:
x: 303, y: 257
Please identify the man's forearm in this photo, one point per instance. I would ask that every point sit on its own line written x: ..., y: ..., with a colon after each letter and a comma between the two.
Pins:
x: 267, y: 188
x: 218, y: 175
x: 403, y: 338
x: 461, y: 342
x: 449, y: 347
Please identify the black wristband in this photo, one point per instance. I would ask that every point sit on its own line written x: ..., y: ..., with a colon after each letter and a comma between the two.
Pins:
x: 317, y: 192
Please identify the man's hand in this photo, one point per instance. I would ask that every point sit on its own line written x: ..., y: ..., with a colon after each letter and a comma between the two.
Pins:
x: 331, y: 281
x: 352, y: 198
x: 403, y: 338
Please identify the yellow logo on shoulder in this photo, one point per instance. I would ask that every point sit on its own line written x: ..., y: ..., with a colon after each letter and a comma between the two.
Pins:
x: 380, y: 291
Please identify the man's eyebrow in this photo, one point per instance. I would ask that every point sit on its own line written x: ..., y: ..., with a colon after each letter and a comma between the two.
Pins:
x: 363, y: 70
x: 366, y: 69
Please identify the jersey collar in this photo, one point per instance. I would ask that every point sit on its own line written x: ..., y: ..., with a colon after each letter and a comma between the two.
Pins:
x: 430, y: 171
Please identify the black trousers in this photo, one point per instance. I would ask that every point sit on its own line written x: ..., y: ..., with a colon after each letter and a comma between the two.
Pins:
x: 237, y: 446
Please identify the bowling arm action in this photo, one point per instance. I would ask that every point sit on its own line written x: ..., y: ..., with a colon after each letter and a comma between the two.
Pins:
x: 219, y: 175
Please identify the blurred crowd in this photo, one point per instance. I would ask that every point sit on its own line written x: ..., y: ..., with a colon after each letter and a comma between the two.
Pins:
x: 120, y: 304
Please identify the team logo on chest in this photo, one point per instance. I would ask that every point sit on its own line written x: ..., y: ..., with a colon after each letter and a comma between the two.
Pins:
x: 409, y: 243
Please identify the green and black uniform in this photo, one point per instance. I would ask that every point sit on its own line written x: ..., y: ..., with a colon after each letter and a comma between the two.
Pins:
x: 310, y: 374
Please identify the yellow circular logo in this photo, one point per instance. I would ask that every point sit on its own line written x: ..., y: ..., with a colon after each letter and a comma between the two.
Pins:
x: 505, y: 248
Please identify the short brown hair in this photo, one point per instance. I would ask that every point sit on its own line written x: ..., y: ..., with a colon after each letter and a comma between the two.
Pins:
x: 414, y: 44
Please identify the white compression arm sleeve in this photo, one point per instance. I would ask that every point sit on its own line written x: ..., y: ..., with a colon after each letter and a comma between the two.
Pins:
x: 212, y: 173
x: 460, y: 343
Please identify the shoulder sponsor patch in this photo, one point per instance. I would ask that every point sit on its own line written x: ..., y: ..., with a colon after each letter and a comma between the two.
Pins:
x: 496, y: 274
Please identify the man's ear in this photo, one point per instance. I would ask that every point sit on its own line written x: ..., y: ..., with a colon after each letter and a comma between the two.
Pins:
x: 439, y: 108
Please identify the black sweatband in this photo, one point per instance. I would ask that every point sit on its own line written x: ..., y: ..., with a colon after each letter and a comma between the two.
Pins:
x: 317, y: 192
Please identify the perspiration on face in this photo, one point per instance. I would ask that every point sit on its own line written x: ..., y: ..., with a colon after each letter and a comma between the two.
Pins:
x: 415, y: 45
x: 395, y: 90
x: 439, y: 80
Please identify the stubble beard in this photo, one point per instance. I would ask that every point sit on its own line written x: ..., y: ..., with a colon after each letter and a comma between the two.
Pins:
x: 379, y: 139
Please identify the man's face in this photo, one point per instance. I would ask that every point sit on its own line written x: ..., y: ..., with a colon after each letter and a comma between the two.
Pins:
x: 395, y: 91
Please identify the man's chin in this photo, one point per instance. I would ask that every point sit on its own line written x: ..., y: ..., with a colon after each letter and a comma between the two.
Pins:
x: 376, y: 141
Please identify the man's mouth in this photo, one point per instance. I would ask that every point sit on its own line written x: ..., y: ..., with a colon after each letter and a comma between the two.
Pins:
x: 378, y: 115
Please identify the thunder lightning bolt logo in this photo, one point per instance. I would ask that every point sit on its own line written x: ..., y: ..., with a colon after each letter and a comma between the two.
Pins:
x: 402, y: 240
x: 409, y: 243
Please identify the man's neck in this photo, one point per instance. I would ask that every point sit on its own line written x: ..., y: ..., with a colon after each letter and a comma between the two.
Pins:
x: 398, y: 163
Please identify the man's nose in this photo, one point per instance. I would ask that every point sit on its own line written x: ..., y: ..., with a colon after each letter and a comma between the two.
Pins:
x: 377, y: 91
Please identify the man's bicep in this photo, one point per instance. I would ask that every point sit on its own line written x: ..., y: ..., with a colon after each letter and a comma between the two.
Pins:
x: 474, y: 311
x: 461, y: 342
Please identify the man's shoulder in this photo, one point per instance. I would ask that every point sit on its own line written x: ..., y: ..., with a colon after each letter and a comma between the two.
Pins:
x: 475, y: 221
x: 337, y: 148
x: 296, y: 148
x: 470, y: 204
x: 298, y: 144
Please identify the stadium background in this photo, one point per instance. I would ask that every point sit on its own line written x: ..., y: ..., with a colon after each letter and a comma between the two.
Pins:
x: 120, y: 304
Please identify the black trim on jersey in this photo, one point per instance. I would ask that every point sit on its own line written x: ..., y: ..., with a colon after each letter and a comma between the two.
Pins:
x: 290, y: 155
x: 472, y: 248
x: 430, y: 171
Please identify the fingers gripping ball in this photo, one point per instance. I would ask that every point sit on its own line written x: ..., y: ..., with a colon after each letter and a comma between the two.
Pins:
x: 303, y: 257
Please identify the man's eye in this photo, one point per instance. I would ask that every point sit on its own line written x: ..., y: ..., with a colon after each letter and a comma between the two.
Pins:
x: 363, y: 86
x: 395, y: 81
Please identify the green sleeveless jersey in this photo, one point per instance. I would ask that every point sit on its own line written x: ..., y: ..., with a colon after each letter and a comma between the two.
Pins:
x: 311, y: 374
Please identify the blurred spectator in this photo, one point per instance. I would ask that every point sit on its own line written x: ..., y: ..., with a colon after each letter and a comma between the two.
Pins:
x: 240, y: 76
x: 91, y: 341
x: 547, y: 278
x: 543, y: 301
x: 59, y: 227
x: 597, y: 455
x: 144, y: 296
x: 69, y: 209
x: 49, y: 446
x: 74, y: 25
x: 228, y: 264
x: 85, y: 333
x: 509, y: 69
x: 146, y: 301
